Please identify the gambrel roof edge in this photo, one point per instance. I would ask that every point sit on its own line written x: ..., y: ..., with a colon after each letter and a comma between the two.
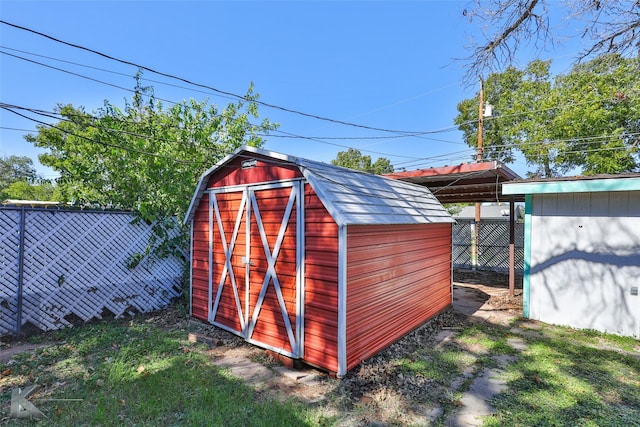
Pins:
x: 351, y: 197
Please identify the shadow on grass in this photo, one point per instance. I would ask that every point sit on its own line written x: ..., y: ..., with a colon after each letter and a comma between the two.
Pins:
x: 186, y: 392
x: 140, y: 375
x: 560, y: 381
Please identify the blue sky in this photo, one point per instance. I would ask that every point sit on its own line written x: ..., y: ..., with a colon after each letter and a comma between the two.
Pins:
x: 385, y: 64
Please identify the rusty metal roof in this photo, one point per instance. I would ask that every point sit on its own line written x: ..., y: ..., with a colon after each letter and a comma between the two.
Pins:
x: 467, y: 182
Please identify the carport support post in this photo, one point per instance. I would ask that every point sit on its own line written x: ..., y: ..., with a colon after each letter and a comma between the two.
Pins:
x: 512, y: 254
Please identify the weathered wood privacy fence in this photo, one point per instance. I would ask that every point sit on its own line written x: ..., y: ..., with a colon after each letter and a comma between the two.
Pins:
x: 60, y: 266
x: 493, y: 245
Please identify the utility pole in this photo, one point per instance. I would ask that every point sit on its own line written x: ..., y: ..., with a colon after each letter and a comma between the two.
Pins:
x: 480, y: 121
x: 476, y: 235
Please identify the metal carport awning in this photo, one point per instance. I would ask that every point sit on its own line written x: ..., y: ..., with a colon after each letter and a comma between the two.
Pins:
x: 464, y: 183
x: 469, y: 183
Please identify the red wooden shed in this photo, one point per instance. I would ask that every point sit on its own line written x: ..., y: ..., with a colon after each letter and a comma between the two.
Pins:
x: 314, y: 261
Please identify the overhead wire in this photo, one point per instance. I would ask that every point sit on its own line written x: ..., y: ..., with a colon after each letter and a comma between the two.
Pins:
x: 414, y: 162
x: 354, y: 188
x: 78, y: 75
x: 10, y: 108
x: 293, y: 136
x: 193, y: 83
x: 231, y: 95
x: 95, y: 141
x: 58, y: 116
x: 146, y: 79
x: 408, y: 134
x: 575, y: 141
x: 61, y: 117
x: 286, y: 134
x: 234, y: 96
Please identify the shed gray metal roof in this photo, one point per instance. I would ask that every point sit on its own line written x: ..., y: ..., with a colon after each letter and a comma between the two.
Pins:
x: 351, y: 197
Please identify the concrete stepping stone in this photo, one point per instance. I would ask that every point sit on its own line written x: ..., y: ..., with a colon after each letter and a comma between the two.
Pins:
x: 245, y: 369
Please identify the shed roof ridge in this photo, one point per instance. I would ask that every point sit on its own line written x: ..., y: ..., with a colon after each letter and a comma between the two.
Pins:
x: 347, y: 194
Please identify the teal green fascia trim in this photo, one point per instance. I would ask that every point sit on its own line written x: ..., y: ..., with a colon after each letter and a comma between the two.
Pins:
x: 526, y: 278
x: 577, y: 186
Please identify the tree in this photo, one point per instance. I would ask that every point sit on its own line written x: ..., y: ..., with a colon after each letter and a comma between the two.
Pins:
x: 16, y: 168
x: 613, y: 26
x: 22, y: 190
x: 19, y: 180
x: 354, y: 159
x: 587, y: 119
x: 143, y: 157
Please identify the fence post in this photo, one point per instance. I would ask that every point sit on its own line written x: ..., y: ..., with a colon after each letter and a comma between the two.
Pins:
x: 20, y: 270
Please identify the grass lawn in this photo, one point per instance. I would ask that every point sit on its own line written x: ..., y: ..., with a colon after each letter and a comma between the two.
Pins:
x: 138, y: 372
x: 135, y: 373
x: 570, y: 377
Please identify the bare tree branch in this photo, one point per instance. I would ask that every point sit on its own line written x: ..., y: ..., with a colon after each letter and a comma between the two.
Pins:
x: 500, y: 39
x: 612, y: 26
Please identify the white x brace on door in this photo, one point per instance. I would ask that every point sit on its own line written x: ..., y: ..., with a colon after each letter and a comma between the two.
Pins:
x: 256, y: 264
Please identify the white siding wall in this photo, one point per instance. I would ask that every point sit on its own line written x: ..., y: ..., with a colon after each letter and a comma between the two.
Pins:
x: 585, y: 258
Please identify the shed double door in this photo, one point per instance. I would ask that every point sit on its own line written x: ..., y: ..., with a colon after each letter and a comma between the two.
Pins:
x: 256, y: 265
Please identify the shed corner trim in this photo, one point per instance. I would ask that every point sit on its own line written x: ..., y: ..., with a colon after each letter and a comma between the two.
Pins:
x: 342, y: 301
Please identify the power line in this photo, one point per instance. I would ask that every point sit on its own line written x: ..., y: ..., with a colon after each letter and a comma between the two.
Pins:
x: 585, y: 141
x: 16, y: 129
x: 437, y: 157
x: 402, y: 134
x: 417, y: 135
x: 11, y: 108
x: 106, y: 144
x: 231, y: 94
x: 577, y: 139
x: 286, y: 134
x: 116, y: 72
x: 79, y: 75
x: 350, y: 138
x: 311, y: 138
x: 414, y: 162
x: 60, y: 117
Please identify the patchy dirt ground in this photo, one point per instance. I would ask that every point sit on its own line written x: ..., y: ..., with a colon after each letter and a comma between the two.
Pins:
x: 504, y: 301
x: 384, y: 388
x: 380, y: 388
x: 495, y: 286
x: 8, y: 350
x: 375, y: 391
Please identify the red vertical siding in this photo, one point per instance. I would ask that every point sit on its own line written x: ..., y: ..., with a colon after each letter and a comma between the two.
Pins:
x: 264, y: 171
x: 227, y: 310
x: 321, y: 284
x: 200, y: 260
x: 270, y: 326
x: 398, y: 276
